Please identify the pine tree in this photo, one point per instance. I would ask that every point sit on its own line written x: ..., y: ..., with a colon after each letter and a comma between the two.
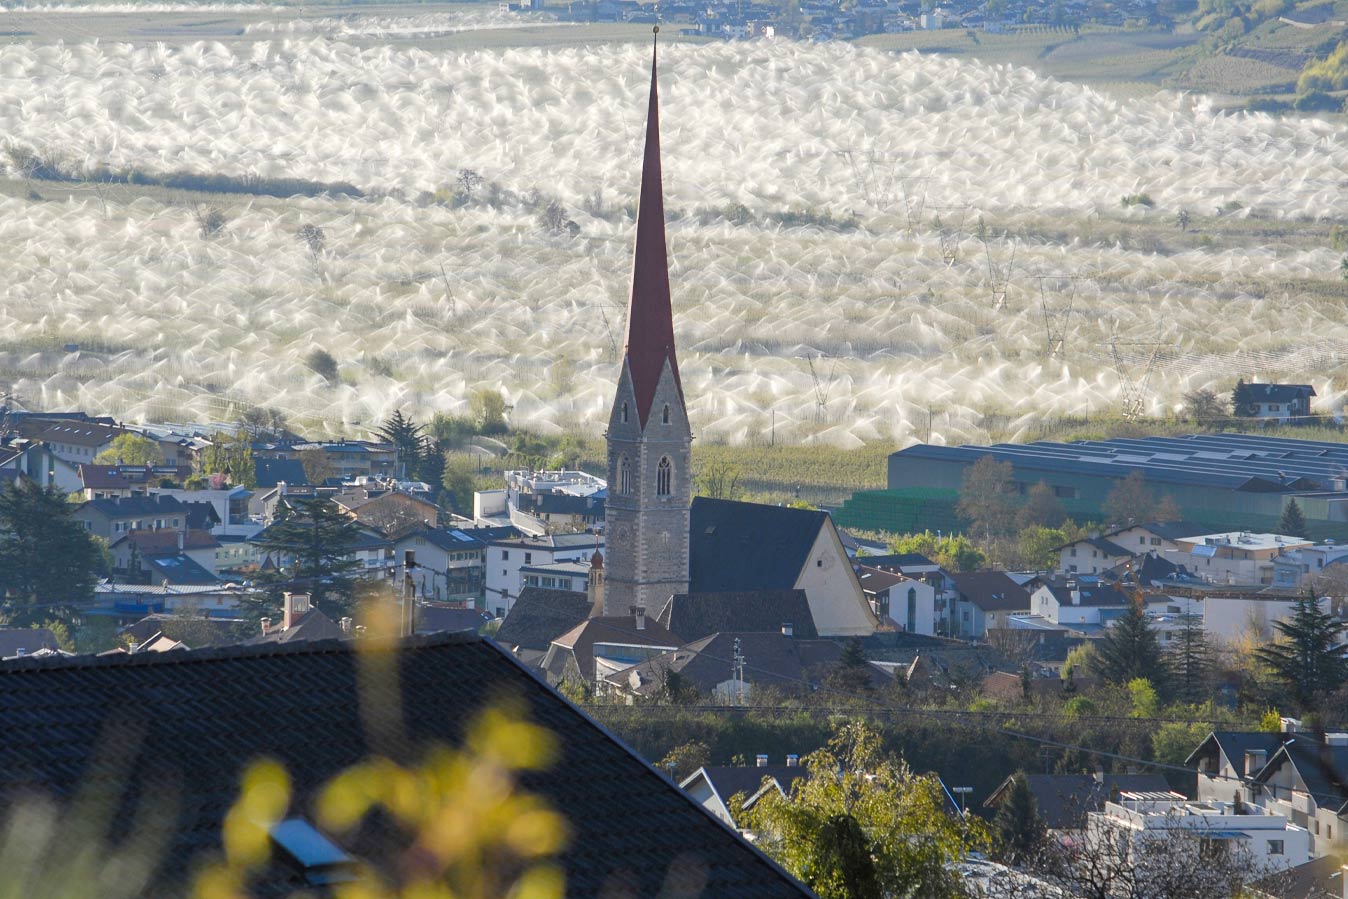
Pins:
x: 852, y: 673
x: 1238, y: 399
x: 406, y: 437
x: 1130, y: 649
x: 48, y: 561
x: 1292, y: 523
x: 1019, y: 828
x: 1307, y: 658
x: 1191, y: 663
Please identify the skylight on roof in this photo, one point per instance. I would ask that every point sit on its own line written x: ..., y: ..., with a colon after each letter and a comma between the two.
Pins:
x: 321, y: 860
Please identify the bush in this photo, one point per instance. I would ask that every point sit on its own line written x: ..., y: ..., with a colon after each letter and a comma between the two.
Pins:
x: 1138, y: 200
x: 1316, y: 101
x: 320, y: 361
x: 1267, y: 104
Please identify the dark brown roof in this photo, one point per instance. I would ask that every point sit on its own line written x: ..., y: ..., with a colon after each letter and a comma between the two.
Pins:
x: 992, y: 591
x: 1064, y: 799
x: 620, y: 630
x: 770, y: 660
x: 13, y: 639
x: 697, y: 615
x: 185, y: 724
x: 313, y: 625
x: 540, y: 616
x: 165, y: 541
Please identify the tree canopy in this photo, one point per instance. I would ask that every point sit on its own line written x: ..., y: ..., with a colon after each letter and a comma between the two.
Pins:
x: 131, y: 449
x: 48, y: 561
x: 863, y: 825
x: 1307, y: 657
x: 1293, y: 522
x: 1017, y: 826
x: 313, y: 542
x: 987, y: 497
x: 1130, y: 650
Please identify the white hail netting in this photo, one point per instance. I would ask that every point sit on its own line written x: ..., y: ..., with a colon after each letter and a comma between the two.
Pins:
x: 426, y: 25
x: 173, y: 325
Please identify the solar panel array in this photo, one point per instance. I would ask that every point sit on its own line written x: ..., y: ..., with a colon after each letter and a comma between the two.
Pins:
x: 1237, y: 461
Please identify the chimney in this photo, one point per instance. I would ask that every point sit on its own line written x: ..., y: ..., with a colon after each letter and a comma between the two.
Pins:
x: 787, y: 629
x: 639, y: 613
x: 793, y: 761
x: 295, y: 607
x: 345, y: 625
x: 181, y: 541
x: 280, y: 488
x: 761, y: 760
x: 20, y: 652
x: 1254, y: 760
x: 266, y: 626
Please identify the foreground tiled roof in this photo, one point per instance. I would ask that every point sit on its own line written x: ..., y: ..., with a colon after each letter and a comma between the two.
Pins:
x: 180, y: 726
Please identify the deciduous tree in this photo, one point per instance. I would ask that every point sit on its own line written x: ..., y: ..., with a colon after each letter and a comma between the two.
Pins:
x: 1130, y: 502
x: 987, y: 499
x: 131, y: 449
x: 863, y: 826
x: 1042, y: 508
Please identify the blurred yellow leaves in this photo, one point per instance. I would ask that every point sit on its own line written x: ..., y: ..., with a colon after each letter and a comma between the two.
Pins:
x: 469, y: 831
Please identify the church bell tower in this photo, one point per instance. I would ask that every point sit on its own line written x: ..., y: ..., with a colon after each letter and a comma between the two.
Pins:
x: 649, y: 439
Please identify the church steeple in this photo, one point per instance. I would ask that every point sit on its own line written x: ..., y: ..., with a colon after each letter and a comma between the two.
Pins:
x: 649, y: 439
x: 650, y: 314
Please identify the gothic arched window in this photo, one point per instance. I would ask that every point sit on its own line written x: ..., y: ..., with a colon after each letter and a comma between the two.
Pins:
x: 624, y: 413
x: 624, y: 476
x: 662, y: 477
x: 666, y: 415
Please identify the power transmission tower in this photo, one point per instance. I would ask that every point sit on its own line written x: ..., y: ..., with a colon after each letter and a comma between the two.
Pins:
x: 822, y: 387
x: 914, y: 202
x: 949, y: 224
x: 1057, y: 317
x: 1134, y: 389
x: 999, y: 275
x: 875, y: 174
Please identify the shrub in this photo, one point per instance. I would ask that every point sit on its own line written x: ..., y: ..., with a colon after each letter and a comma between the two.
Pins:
x: 1138, y: 200
x: 320, y: 361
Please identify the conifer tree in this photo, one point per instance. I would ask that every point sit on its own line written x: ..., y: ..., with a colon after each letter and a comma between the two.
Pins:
x: 1307, y: 658
x: 314, y: 542
x: 1191, y: 663
x: 1293, y: 522
x: 1130, y: 649
x: 1018, y: 827
x: 406, y: 437
x: 48, y: 561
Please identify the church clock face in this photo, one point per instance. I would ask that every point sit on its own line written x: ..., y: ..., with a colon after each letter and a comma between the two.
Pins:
x: 826, y: 562
x: 621, y: 532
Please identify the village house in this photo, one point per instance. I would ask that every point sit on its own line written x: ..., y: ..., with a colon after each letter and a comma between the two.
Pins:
x: 1272, y: 402
x: 110, y: 481
x: 899, y: 601
x: 1268, y: 840
x: 1306, y: 781
x: 1294, y: 569
x: 72, y: 440
x: 505, y: 557
x: 986, y: 600
x: 1091, y: 555
x: 450, y: 563
x: 131, y: 552
x: 1075, y: 603
x: 1237, y: 557
x: 35, y: 461
x: 112, y: 519
x: 713, y: 786
x: 230, y: 506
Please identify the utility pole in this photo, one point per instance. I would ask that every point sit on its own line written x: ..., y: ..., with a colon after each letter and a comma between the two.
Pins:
x: 407, y: 606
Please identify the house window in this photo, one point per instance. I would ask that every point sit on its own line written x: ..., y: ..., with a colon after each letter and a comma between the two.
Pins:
x: 912, y: 609
x: 1065, y: 492
x: 505, y: 554
x: 624, y: 476
x: 665, y: 415
x: 1275, y: 847
x: 662, y: 476
x: 528, y: 558
x: 1074, y: 552
x: 1274, y: 407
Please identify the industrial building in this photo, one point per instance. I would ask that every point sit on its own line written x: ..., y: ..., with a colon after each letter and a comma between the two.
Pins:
x: 1225, y: 481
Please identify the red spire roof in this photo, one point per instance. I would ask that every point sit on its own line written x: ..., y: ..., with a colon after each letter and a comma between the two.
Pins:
x: 650, y: 316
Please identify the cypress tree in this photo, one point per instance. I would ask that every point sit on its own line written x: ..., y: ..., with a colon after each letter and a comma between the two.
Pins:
x: 1293, y: 522
x: 1019, y: 828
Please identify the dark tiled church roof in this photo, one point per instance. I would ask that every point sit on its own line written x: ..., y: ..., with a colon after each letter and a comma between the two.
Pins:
x: 697, y: 615
x: 180, y: 727
x: 541, y: 615
x: 741, y: 547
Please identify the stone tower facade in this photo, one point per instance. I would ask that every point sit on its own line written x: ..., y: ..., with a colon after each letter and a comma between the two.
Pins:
x: 649, y: 439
